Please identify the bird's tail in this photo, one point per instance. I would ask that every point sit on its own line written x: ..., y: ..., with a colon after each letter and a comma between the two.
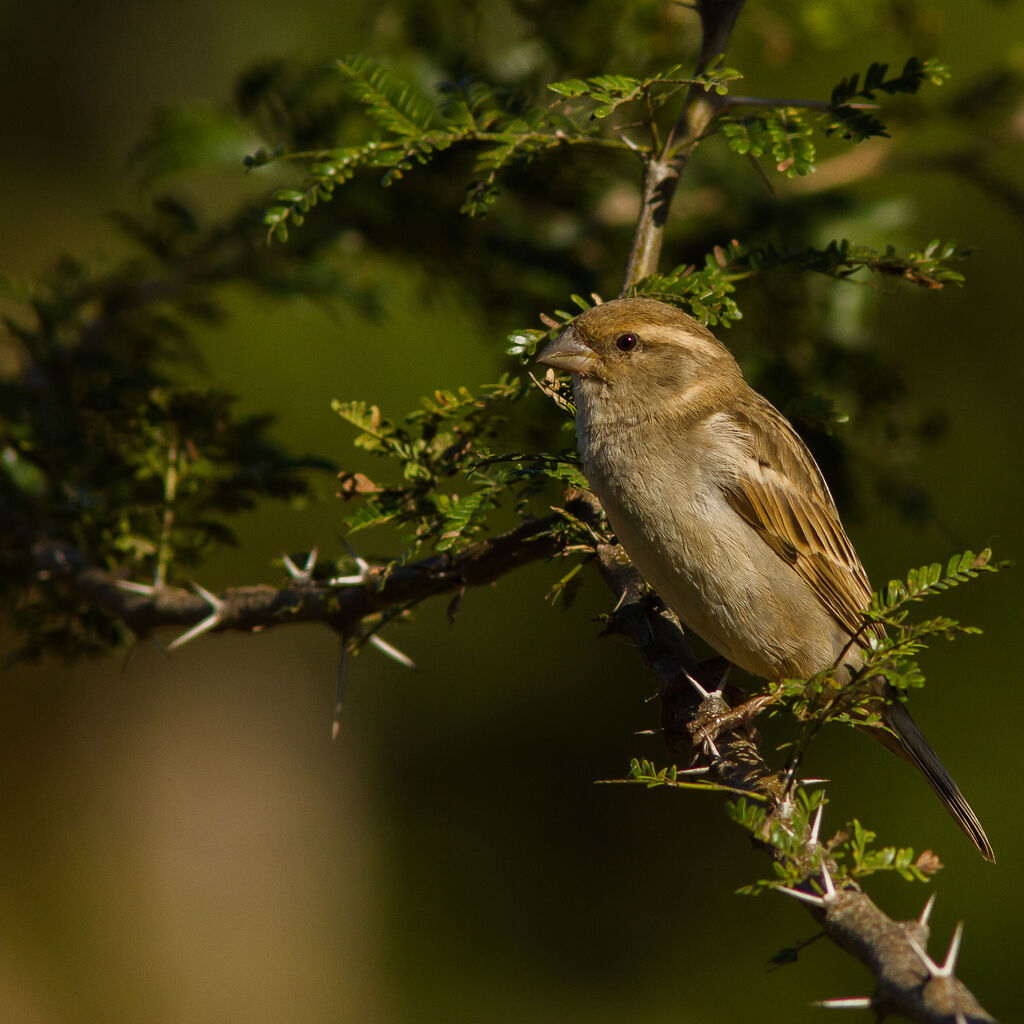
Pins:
x: 911, y: 744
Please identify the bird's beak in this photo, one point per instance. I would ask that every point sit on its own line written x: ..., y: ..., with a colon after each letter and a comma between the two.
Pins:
x: 568, y: 352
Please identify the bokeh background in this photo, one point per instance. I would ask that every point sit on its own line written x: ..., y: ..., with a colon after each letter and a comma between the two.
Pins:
x: 180, y: 840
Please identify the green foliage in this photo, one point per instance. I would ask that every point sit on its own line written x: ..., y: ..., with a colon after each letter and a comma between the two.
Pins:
x: 784, y: 132
x: 795, y: 862
x: 887, y: 607
x: 110, y: 453
x: 100, y: 449
x: 609, y: 92
x: 708, y: 292
x: 891, y: 644
x: 853, y: 123
x: 412, y: 131
x: 647, y: 774
x: 393, y: 104
x: 446, y: 444
x: 851, y: 852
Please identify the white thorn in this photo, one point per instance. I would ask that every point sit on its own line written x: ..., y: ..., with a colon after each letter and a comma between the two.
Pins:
x: 926, y: 912
x: 213, y: 619
x: 629, y: 142
x: 696, y: 685
x: 949, y: 965
x: 826, y: 877
x: 352, y: 581
x: 960, y: 1018
x: 305, y: 574
x: 799, y: 894
x: 711, y: 746
x: 930, y: 965
x: 850, y: 1003
x: 816, y: 825
x: 137, y: 588
x: 392, y: 652
x: 813, y: 782
x: 346, y: 581
x: 702, y: 770
x: 953, y: 953
x: 724, y: 680
x: 361, y: 564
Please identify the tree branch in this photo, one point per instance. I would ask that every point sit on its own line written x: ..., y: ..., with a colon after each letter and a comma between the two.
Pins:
x: 662, y: 170
x: 905, y: 982
x: 144, y: 609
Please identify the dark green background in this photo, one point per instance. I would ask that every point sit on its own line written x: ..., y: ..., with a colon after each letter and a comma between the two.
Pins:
x: 180, y: 840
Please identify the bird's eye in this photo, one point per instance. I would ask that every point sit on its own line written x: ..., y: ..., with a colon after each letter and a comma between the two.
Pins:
x: 626, y: 342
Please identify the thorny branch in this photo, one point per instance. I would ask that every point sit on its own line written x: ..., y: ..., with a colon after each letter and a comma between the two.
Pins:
x: 906, y: 982
x: 144, y: 609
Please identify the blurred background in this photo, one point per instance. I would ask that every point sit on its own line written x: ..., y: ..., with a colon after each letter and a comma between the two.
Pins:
x: 182, y: 842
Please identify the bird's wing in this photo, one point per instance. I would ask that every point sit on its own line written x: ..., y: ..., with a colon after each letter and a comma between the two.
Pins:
x: 781, y: 493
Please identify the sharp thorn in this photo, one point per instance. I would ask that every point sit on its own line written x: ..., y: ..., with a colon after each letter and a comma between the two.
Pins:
x: 696, y: 685
x: 215, y: 617
x: 799, y: 894
x: 361, y: 564
x: 305, y: 574
x: 930, y: 965
x: 926, y: 912
x: 211, y: 599
x: 346, y: 581
x: 136, y: 588
x: 392, y: 652
x: 953, y: 953
x: 816, y: 824
x: 725, y: 678
x: 851, y: 1003
x: 826, y: 877
x: 197, y: 630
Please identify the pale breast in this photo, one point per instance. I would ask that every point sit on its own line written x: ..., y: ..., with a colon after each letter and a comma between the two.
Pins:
x: 667, y: 507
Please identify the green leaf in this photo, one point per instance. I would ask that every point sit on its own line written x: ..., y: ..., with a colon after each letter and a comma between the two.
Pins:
x: 392, y: 103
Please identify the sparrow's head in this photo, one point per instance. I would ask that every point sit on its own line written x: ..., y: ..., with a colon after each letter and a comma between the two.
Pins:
x: 641, y: 350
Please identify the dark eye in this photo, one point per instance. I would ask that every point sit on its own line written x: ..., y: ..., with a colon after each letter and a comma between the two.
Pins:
x: 626, y: 342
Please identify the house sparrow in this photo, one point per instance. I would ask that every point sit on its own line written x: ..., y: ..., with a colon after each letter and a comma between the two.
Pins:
x: 723, y: 509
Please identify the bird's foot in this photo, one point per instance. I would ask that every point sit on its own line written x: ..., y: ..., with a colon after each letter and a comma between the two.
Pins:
x: 714, y: 717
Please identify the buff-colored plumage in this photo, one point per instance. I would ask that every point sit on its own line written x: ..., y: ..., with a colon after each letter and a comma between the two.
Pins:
x: 721, y: 506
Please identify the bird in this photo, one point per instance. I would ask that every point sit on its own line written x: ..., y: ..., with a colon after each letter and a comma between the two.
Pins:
x: 723, y: 510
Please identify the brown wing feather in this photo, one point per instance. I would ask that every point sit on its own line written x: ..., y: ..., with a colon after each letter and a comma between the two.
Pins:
x: 784, y: 497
